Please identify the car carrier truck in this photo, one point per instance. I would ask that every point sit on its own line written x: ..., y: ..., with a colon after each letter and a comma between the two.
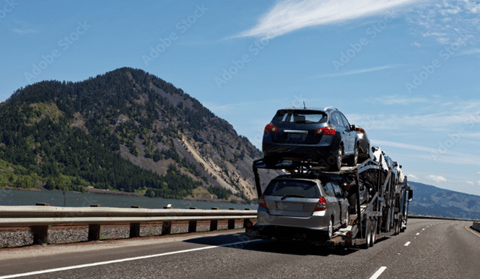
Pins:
x: 382, y: 214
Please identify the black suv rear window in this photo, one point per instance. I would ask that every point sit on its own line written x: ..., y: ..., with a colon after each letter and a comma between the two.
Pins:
x: 300, y: 116
x: 294, y: 188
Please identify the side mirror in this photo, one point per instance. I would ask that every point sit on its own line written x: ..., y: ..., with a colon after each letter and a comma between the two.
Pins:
x: 352, y: 127
x: 400, y: 166
x: 410, y: 195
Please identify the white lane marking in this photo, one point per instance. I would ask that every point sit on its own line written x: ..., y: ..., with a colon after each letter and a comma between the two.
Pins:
x: 379, y: 272
x: 418, y: 233
x: 408, y: 243
x: 120, y: 260
x: 423, y: 229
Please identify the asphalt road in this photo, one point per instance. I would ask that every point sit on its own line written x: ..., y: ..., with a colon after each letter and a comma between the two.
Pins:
x: 428, y: 249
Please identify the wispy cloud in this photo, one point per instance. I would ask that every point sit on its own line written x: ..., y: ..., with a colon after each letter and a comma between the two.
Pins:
x: 288, y: 16
x: 452, y: 159
x: 435, y: 114
x: 451, y: 22
x: 437, y: 178
x: 412, y: 176
x: 360, y: 71
x: 470, y: 52
x: 398, y: 100
x: 469, y: 182
x: 403, y: 145
x: 24, y: 31
x: 448, y: 157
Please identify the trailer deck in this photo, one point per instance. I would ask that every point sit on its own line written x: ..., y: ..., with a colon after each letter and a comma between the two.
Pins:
x: 384, y: 215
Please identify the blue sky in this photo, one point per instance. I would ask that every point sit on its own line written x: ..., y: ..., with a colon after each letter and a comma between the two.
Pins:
x: 406, y: 71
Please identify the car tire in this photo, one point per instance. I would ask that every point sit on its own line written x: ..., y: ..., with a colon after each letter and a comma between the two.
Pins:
x: 353, y: 161
x: 270, y: 161
x: 337, y: 165
x: 329, y: 233
x: 347, y: 220
x: 353, y: 203
x: 365, y: 155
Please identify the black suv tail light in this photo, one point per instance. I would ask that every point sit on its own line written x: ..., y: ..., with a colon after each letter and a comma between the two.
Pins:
x: 271, y: 129
x: 328, y: 131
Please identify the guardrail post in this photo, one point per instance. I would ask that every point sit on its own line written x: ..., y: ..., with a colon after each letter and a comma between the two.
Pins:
x: 93, y: 232
x: 40, y: 235
x: 134, y: 230
x: 166, y: 227
x: 94, y: 229
x: 231, y: 222
x: 135, y: 227
x: 214, y: 222
x: 192, y: 225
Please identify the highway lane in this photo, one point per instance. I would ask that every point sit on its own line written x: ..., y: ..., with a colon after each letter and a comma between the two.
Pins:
x: 428, y: 249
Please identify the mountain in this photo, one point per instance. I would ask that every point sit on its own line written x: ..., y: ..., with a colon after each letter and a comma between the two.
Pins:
x: 125, y: 130
x: 434, y: 201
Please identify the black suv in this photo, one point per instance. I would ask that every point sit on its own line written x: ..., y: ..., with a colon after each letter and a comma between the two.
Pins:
x: 318, y: 136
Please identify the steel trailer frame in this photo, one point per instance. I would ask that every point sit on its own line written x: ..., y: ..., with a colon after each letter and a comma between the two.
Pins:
x: 388, y: 206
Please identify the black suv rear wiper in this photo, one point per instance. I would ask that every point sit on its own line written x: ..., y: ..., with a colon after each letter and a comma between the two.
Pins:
x: 292, y: 196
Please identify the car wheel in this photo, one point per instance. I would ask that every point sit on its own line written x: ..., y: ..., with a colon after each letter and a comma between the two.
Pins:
x: 347, y: 220
x: 354, y: 159
x: 352, y: 200
x: 337, y: 165
x: 270, y: 161
x: 330, y: 229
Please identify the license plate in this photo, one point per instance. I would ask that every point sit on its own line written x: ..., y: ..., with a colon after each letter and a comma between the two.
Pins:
x: 290, y: 206
x: 296, y: 137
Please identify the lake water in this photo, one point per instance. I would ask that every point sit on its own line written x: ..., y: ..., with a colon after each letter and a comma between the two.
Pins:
x: 56, y: 198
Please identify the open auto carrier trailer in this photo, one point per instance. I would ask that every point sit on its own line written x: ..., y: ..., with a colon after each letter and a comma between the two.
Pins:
x: 383, y: 214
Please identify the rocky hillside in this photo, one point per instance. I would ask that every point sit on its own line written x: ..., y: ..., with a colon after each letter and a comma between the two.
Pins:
x: 434, y: 201
x: 126, y: 130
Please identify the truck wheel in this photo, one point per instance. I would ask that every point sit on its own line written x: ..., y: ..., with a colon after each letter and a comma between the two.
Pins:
x: 368, y: 236
x: 397, y: 228
x: 374, y: 234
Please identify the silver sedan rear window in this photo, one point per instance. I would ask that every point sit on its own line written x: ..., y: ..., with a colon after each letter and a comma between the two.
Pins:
x: 292, y: 188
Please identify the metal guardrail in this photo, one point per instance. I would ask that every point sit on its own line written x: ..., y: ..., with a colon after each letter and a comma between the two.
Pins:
x: 413, y: 216
x: 39, y: 218
x: 476, y: 226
